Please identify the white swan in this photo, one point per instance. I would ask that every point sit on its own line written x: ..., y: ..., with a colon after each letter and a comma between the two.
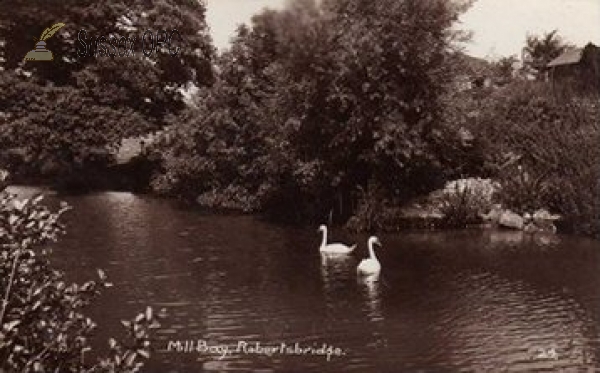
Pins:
x: 371, y: 265
x: 333, y: 248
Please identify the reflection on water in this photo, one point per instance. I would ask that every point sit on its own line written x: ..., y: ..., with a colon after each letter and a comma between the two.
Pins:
x: 448, y: 301
x: 518, y: 238
x: 336, y: 271
x: 508, y: 324
x: 370, y: 287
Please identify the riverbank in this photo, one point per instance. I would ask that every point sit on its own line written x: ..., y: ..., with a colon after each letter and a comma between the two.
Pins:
x: 461, y: 205
x: 133, y: 175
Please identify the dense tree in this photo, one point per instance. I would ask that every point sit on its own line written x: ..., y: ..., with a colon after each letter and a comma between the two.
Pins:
x: 504, y: 69
x: 231, y: 146
x: 75, y: 108
x: 540, y: 50
x: 317, y: 100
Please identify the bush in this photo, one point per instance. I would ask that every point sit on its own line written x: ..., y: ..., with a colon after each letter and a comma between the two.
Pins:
x: 524, y: 189
x: 43, y: 327
x: 371, y: 212
x: 543, y: 147
x: 462, y: 202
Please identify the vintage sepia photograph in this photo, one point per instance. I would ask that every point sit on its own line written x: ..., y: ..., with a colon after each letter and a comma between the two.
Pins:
x: 298, y: 186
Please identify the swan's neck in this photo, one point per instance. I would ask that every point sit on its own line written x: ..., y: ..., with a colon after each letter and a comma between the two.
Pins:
x: 324, y: 241
x: 372, y: 251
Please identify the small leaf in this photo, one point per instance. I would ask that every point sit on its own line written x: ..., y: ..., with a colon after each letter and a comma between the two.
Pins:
x: 38, y: 367
x: 11, y: 325
x: 144, y: 353
x: 20, y: 204
x: 129, y: 360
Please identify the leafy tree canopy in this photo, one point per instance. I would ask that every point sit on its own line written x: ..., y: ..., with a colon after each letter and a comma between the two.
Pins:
x: 539, y: 50
x: 316, y: 100
x: 75, y: 106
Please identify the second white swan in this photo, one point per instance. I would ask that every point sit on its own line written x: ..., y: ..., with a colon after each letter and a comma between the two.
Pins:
x: 371, y: 265
x: 333, y: 248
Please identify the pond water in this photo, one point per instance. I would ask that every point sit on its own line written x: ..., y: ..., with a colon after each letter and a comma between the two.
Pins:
x: 445, y: 301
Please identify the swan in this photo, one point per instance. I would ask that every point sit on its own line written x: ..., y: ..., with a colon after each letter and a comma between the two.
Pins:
x: 333, y: 248
x: 371, y: 265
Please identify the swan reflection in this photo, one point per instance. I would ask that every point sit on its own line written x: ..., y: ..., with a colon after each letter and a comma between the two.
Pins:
x: 337, y: 276
x: 335, y: 269
x: 370, y: 287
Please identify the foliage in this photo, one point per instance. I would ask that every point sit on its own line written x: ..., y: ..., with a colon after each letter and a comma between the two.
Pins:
x: 43, y: 327
x: 540, y: 50
x: 70, y: 114
x: 504, y: 69
x: 315, y: 101
x: 372, y: 211
x: 525, y: 189
x: 462, y: 202
x: 543, y: 148
x: 73, y: 134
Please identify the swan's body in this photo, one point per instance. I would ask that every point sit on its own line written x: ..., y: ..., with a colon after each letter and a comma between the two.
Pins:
x: 333, y: 248
x: 371, y: 265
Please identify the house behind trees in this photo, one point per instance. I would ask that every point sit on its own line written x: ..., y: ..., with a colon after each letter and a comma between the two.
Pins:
x: 577, y: 68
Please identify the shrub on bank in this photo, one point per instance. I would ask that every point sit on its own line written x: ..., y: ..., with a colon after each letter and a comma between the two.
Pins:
x: 462, y: 202
x: 543, y: 148
x: 372, y: 213
x: 43, y: 326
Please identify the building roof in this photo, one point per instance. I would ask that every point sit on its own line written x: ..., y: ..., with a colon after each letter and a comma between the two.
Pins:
x: 570, y: 57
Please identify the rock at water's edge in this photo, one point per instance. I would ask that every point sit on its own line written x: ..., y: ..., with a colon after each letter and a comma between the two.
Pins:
x: 509, y: 219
